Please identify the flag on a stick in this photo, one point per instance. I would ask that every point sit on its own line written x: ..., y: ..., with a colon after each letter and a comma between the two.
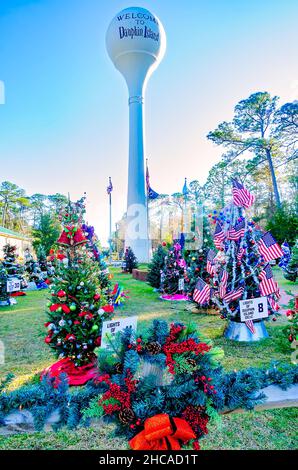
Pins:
x: 234, y: 295
x: 223, y: 279
x: 269, y: 248
x: 218, y: 236
x: 201, y: 294
x: 250, y: 326
x: 210, y: 262
x: 237, y: 231
x: 241, y: 196
x: 267, y: 285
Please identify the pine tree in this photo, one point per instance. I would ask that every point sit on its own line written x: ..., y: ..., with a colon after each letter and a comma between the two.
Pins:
x: 174, y: 271
x: 77, y: 306
x: 131, y: 261
x: 156, y: 266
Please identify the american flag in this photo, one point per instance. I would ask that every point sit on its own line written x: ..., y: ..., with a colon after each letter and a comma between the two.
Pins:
x: 241, y: 253
x: 234, y: 295
x: 201, y: 294
x: 241, y: 196
x: 218, y: 235
x: 223, y: 279
x: 269, y: 248
x: 210, y: 258
x: 273, y: 304
x: 267, y: 284
x: 110, y: 187
x: 237, y: 231
x: 250, y: 326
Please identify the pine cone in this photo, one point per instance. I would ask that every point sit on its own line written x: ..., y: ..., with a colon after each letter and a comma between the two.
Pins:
x: 126, y: 416
x: 153, y: 348
x: 191, y: 362
x: 118, y: 368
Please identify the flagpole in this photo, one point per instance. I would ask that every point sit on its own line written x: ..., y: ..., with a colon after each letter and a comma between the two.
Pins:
x: 147, y: 209
x: 110, y: 220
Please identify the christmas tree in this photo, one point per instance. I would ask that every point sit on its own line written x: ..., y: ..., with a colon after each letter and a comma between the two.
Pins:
x: 174, y: 275
x: 241, y: 269
x: 77, y: 305
x: 131, y: 261
x: 4, y: 296
x: 156, y: 266
x: 291, y: 268
x: 13, y: 268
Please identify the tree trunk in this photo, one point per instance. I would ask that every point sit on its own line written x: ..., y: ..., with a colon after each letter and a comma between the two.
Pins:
x: 273, y: 177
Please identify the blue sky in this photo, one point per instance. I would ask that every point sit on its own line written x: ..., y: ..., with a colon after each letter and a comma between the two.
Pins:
x: 64, y: 124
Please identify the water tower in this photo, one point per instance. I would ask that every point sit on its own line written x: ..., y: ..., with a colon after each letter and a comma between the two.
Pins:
x: 136, y: 42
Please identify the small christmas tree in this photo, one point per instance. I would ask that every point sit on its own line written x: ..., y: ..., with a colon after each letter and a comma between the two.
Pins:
x: 4, y: 296
x: 77, y: 306
x: 13, y: 268
x: 174, y: 274
x: 131, y: 261
x: 291, y: 269
x: 156, y: 266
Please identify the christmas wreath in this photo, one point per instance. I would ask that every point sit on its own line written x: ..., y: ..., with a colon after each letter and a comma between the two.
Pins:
x: 160, y: 389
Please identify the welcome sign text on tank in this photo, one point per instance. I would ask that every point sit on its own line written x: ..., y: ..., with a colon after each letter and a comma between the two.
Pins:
x: 141, y: 29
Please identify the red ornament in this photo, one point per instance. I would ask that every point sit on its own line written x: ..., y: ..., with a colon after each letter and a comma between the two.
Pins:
x: 164, y: 244
x: 97, y: 341
x: 61, y: 293
x: 139, y: 340
x: 47, y: 339
x: 96, y: 297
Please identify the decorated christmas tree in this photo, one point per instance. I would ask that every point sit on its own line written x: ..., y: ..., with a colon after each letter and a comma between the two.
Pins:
x: 174, y: 274
x: 4, y: 296
x: 241, y: 269
x: 13, y: 268
x: 156, y: 266
x: 131, y: 261
x: 77, y: 305
x: 291, y: 267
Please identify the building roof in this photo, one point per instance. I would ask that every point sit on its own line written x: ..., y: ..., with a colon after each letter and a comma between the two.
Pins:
x: 5, y: 232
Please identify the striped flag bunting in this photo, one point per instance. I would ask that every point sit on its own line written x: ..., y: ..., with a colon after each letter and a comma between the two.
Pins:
x: 218, y: 236
x: 237, y: 231
x: 241, y: 196
x: 250, y: 325
x: 234, y: 294
x: 267, y: 285
x: 223, y: 279
x: 273, y: 304
x: 269, y: 248
x: 210, y: 262
x: 201, y: 294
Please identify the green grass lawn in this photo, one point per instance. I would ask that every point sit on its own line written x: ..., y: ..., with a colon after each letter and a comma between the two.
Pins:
x: 22, y: 332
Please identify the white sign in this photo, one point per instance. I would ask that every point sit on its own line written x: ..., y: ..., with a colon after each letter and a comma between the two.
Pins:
x: 112, y: 327
x: 253, y: 309
x: 13, y: 285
